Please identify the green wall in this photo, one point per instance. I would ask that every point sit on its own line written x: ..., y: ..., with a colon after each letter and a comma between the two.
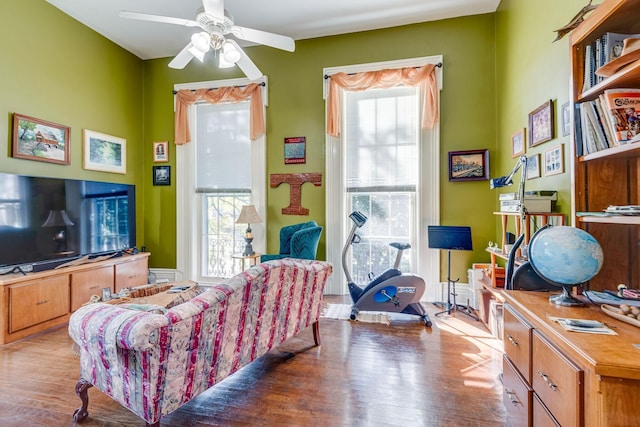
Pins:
x: 297, y: 108
x: 532, y: 69
x: 55, y: 69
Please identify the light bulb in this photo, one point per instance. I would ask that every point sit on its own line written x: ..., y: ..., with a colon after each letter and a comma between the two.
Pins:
x: 230, y: 53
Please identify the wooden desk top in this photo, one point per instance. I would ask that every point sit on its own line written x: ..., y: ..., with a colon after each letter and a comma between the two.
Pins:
x: 610, y: 355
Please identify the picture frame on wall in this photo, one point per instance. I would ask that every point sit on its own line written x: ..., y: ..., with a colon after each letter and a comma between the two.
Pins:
x: 541, y: 124
x: 533, y: 166
x: 518, y: 143
x: 160, y: 152
x: 566, y: 119
x: 469, y: 165
x: 104, y: 152
x: 295, y: 150
x: 40, y: 140
x: 554, y: 161
x: 162, y: 175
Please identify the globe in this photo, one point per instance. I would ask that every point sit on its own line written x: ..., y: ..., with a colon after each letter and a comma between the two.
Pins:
x: 565, y: 257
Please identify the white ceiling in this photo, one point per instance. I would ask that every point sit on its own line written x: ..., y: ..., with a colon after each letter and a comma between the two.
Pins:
x: 299, y: 19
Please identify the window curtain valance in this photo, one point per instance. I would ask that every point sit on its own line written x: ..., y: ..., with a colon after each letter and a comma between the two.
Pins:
x: 185, y: 98
x: 424, y: 76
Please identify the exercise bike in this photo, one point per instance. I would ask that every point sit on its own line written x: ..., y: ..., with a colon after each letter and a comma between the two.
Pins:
x: 392, y: 291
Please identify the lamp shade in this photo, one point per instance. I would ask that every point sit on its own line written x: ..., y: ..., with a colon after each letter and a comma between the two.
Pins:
x: 57, y: 218
x: 248, y: 215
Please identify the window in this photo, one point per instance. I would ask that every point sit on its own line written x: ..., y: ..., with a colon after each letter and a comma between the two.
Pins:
x: 384, y: 165
x: 219, y: 171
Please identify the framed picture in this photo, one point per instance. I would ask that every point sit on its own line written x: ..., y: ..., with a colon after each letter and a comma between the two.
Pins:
x: 160, y: 152
x: 533, y: 166
x: 469, y: 165
x: 518, y: 143
x: 106, y: 294
x: 554, y: 161
x: 541, y: 124
x: 35, y: 139
x: 104, y: 153
x: 566, y: 119
x: 162, y: 175
x: 295, y: 150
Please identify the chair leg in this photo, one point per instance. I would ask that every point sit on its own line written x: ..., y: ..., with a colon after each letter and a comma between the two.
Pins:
x: 316, y: 332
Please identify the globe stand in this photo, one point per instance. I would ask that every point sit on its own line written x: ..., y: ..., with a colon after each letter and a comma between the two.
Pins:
x: 565, y: 298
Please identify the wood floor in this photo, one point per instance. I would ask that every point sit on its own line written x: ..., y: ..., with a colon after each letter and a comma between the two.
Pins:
x: 363, y: 374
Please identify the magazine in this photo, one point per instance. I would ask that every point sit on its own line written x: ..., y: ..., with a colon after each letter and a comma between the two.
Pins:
x: 623, y: 107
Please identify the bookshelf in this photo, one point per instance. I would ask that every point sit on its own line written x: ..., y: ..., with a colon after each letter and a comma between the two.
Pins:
x: 608, y: 176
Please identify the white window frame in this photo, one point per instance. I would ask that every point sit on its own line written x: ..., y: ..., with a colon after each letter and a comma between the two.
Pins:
x: 427, y: 201
x: 188, y: 202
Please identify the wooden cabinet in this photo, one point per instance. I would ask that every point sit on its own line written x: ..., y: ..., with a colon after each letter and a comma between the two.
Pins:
x: 34, y: 302
x: 86, y: 283
x: 131, y: 273
x: 609, y: 176
x: 576, y: 379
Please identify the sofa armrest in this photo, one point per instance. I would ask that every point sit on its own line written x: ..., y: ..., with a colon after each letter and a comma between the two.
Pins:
x: 117, y: 325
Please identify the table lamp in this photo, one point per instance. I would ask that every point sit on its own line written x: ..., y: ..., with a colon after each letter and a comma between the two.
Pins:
x: 59, y: 218
x: 248, y: 215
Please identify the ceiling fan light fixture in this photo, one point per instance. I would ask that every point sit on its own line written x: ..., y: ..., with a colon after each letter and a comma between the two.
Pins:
x: 223, y: 63
x: 201, y: 41
x: 230, y: 53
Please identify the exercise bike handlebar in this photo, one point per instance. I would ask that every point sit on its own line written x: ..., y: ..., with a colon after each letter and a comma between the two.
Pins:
x: 359, y: 220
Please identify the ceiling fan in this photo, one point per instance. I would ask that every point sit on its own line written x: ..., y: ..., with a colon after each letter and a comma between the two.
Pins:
x: 218, y: 23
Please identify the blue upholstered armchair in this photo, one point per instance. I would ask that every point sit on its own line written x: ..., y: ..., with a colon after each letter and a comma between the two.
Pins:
x: 297, y: 241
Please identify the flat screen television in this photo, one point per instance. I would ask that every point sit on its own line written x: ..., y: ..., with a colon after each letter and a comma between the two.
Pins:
x: 45, y: 222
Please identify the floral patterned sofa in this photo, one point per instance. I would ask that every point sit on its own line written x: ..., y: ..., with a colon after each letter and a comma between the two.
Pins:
x: 154, y: 361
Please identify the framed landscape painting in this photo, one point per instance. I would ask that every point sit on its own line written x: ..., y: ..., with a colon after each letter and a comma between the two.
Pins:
x: 104, y: 153
x: 469, y: 165
x: 35, y: 139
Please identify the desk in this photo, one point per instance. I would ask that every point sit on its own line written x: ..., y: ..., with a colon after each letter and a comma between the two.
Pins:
x: 253, y: 259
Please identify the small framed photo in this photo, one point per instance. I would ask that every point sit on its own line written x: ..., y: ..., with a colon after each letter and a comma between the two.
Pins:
x: 566, y: 119
x: 518, y: 143
x: 162, y: 175
x: 541, y: 124
x: 160, y: 152
x: 554, y: 161
x: 104, y: 153
x: 106, y: 294
x: 533, y: 166
x: 295, y: 150
x: 469, y: 165
x: 40, y: 140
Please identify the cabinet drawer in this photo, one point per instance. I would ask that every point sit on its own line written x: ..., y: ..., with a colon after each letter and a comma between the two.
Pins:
x: 517, y: 395
x: 131, y: 274
x: 557, y: 381
x: 90, y: 282
x: 541, y: 415
x: 37, y: 301
x: 517, y: 341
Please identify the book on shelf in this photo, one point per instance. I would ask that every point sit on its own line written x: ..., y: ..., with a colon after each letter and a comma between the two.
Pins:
x: 601, y: 51
x: 623, y: 107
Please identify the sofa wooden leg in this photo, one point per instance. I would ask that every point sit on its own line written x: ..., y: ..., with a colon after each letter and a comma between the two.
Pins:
x: 316, y: 332
x: 82, y: 387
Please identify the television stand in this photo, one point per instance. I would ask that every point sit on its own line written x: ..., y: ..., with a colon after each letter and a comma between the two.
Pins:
x: 36, y: 301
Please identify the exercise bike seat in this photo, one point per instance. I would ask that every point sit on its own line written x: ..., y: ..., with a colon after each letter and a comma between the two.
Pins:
x: 388, y: 274
x: 400, y: 246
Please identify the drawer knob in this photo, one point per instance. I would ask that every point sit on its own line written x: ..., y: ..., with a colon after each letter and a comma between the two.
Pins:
x: 546, y: 379
x: 512, y: 341
x: 513, y: 397
x: 44, y: 301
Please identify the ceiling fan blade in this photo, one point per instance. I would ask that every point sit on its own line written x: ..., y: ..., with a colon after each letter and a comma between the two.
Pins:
x: 214, y: 8
x: 265, y: 38
x: 246, y: 64
x: 157, y: 18
x: 183, y: 58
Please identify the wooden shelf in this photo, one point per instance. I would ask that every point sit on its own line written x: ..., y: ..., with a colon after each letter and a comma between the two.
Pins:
x: 625, y: 220
x: 630, y: 150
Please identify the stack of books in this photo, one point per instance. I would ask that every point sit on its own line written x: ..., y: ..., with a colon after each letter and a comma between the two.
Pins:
x: 601, y: 51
